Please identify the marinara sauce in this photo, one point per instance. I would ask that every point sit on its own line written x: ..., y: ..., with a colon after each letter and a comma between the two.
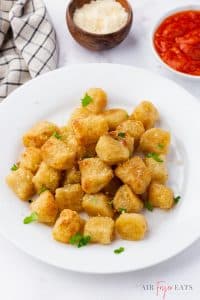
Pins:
x: 177, y: 41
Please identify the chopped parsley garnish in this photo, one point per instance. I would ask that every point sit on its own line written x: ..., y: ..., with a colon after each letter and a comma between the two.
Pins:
x: 32, y: 218
x: 43, y: 189
x: 176, y: 199
x: 79, y: 240
x: 161, y: 146
x: 122, y: 134
x: 57, y: 135
x: 122, y: 210
x: 14, y: 167
x: 155, y: 156
x: 148, y: 205
x: 86, y: 100
x: 119, y: 250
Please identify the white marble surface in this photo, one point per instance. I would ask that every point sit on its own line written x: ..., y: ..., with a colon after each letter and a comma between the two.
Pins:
x: 22, y: 277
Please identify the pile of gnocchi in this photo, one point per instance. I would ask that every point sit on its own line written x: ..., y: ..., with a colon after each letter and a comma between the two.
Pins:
x: 104, y: 162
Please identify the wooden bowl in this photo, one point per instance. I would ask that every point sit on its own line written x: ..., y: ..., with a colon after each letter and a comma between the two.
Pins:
x: 92, y: 41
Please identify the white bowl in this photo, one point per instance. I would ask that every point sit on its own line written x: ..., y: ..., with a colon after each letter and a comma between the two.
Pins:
x: 155, y: 27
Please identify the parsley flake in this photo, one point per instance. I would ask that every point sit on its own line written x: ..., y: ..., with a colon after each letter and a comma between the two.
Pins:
x: 119, y: 250
x: 79, y: 240
x: 122, y: 210
x: 43, y: 189
x: 121, y: 134
x: 161, y: 146
x: 32, y: 218
x: 155, y: 156
x: 86, y: 100
x: 148, y: 205
x: 176, y: 199
x: 57, y: 135
x: 14, y: 167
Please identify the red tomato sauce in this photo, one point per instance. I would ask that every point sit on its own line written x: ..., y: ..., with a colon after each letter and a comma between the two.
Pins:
x: 177, y: 41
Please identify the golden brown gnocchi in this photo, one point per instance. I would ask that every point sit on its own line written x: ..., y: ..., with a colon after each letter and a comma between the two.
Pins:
x: 126, y: 200
x: 45, y: 207
x: 160, y: 196
x: 68, y: 224
x: 103, y: 163
x: 146, y: 113
x: 97, y: 205
x: 88, y: 130
x: 31, y: 159
x: 95, y: 174
x: 114, y: 117
x: 100, y: 229
x: 132, y: 227
x: 158, y: 168
x: 20, y: 181
x: 57, y: 154
x: 39, y: 134
x: 46, y: 177
x: 113, y: 150
x: 133, y: 128
x: 135, y: 173
x: 70, y: 196
x: 98, y: 102
x: 155, y: 140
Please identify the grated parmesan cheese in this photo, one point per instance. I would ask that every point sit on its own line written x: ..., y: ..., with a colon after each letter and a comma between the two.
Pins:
x: 101, y: 16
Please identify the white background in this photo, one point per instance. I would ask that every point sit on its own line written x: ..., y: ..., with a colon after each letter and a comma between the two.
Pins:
x: 22, y: 277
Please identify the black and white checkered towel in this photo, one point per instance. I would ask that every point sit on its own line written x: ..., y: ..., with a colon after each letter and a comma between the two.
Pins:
x: 27, y: 43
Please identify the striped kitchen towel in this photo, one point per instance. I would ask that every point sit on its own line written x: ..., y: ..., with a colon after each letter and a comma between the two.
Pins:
x: 27, y: 43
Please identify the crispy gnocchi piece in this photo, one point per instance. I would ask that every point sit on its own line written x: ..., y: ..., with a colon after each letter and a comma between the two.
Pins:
x: 113, y: 149
x: 31, y: 159
x: 115, y: 117
x: 45, y: 207
x: 69, y: 138
x: 57, y: 154
x: 127, y: 200
x: 100, y: 229
x: 97, y: 205
x: 132, y: 227
x: 155, y: 140
x: 135, y: 173
x: 160, y: 196
x: 78, y: 113
x: 158, y: 169
x: 70, y: 196
x: 39, y: 134
x: 95, y: 175
x: 72, y: 176
x: 46, y: 177
x: 99, y: 100
x: 68, y: 224
x: 20, y: 181
x: 134, y: 128
x: 147, y: 113
x: 88, y: 130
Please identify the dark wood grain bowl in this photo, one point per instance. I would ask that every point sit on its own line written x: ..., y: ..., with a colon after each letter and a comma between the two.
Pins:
x: 97, y: 42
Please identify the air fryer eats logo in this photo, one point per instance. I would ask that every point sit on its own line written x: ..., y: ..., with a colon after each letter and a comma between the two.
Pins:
x: 162, y: 289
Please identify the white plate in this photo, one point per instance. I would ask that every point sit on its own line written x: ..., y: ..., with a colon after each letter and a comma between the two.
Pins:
x: 52, y: 97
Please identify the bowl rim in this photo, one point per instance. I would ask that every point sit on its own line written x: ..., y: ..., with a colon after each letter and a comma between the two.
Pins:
x: 128, y: 23
x: 158, y: 23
